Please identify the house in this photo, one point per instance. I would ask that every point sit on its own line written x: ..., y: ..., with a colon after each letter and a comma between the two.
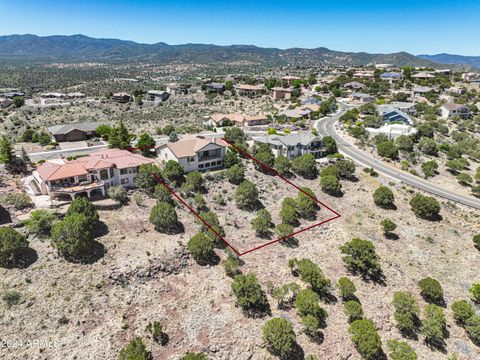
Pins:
x: 219, y: 120
x: 88, y: 175
x: 450, y: 110
x: 256, y: 120
x: 361, y: 97
x: 456, y: 90
x: 392, y: 130
x: 281, y: 93
x: 5, y: 103
x: 53, y: 95
x: 197, y: 153
x: 75, y: 95
x: 391, y: 76
x: 249, y: 90
x: 295, y: 114
x: 354, y: 85
x: 74, y: 132
x: 290, y: 79
x: 421, y: 90
x: 12, y: 94
x: 157, y: 96
x: 122, y: 97
x: 293, y: 145
x: 310, y: 108
x: 213, y: 87
x: 423, y: 75
x: 393, y: 115
x: 179, y: 89
x: 406, y: 107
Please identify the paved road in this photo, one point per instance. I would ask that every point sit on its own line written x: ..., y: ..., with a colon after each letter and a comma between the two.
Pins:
x: 326, y: 126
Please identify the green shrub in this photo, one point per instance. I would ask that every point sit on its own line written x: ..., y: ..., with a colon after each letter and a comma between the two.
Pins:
x: 434, y: 325
x: 135, y: 350
x: 19, y: 200
x: 246, y: 195
x: 288, y: 214
x: 250, y: 296
x: 311, y: 324
x: 387, y: 149
x: 400, y: 350
x: 431, y: 291
x: 232, y: 263
x: 10, y: 298
x: 347, y: 288
x: 366, y: 339
x: 193, y: 182
x: 156, y: 330
x: 305, y: 166
x: 280, y: 337
x: 235, y: 174
x: 201, y: 247
x: 164, y: 217
x: 283, y: 165
x: 12, y: 246
x: 286, y: 294
x: 262, y: 222
x: 145, y: 179
x: 462, y: 311
x: 307, y: 303
x: 361, y: 257
x: 73, y: 236
x: 345, y: 169
x: 162, y: 194
x: 425, y: 207
x: 476, y: 241
x: 174, y: 173
x: 388, y: 226
x: 41, y: 222
x: 118, y: 193
x: 330, y: 185
x: 353, y: 309
x: 81, y: 205
x: 475, y: 292
x: 305, y: 205
x: 383, y: 197
x: 312, y: 275
x: 472, y: 326
x: 406, y: 311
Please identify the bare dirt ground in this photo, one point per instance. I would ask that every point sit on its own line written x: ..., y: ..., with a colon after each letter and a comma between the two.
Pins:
x: 90, y: 311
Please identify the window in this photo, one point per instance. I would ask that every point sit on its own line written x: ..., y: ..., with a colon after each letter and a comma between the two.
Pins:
x: 123, y: 171
x: 124, y: 181
x: 219, y: 163
x: 104, y: 174
x: 200, y: 166
x: 111, y: 172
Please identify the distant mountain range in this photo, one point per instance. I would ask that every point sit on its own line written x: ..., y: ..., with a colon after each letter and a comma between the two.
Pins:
x: 77, y: 48
x: 453, y: 59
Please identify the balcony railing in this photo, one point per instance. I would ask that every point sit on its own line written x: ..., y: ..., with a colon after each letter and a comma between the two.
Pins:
x: 83, y: 186
x: 210, y: 157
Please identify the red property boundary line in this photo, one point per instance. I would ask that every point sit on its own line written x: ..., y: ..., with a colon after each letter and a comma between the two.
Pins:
x: 274, y: 173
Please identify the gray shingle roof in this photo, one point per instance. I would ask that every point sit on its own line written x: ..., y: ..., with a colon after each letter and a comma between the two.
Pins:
x: 288, y: 140
x: 64, y: 129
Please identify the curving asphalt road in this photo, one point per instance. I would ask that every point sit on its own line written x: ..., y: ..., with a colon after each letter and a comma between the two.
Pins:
x: 326, y: 126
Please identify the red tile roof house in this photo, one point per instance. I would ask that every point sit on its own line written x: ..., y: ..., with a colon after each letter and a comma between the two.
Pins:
x: 89, y: 175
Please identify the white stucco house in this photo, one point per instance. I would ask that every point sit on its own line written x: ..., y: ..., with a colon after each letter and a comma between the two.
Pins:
x: 450, y: 110
x: 196, y: 153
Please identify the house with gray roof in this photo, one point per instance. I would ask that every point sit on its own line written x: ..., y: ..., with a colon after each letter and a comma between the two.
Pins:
x: 74, y: 132
x: 393, y: 115
x: 293, y: 145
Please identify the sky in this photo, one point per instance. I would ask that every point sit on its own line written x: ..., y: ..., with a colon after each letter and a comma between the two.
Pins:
x: 418, y: 27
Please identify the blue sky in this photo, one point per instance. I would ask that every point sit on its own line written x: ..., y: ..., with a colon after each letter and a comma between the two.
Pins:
x: 372, y: 26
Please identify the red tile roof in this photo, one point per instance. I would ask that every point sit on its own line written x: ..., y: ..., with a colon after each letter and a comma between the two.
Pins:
x: 103, y: 159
